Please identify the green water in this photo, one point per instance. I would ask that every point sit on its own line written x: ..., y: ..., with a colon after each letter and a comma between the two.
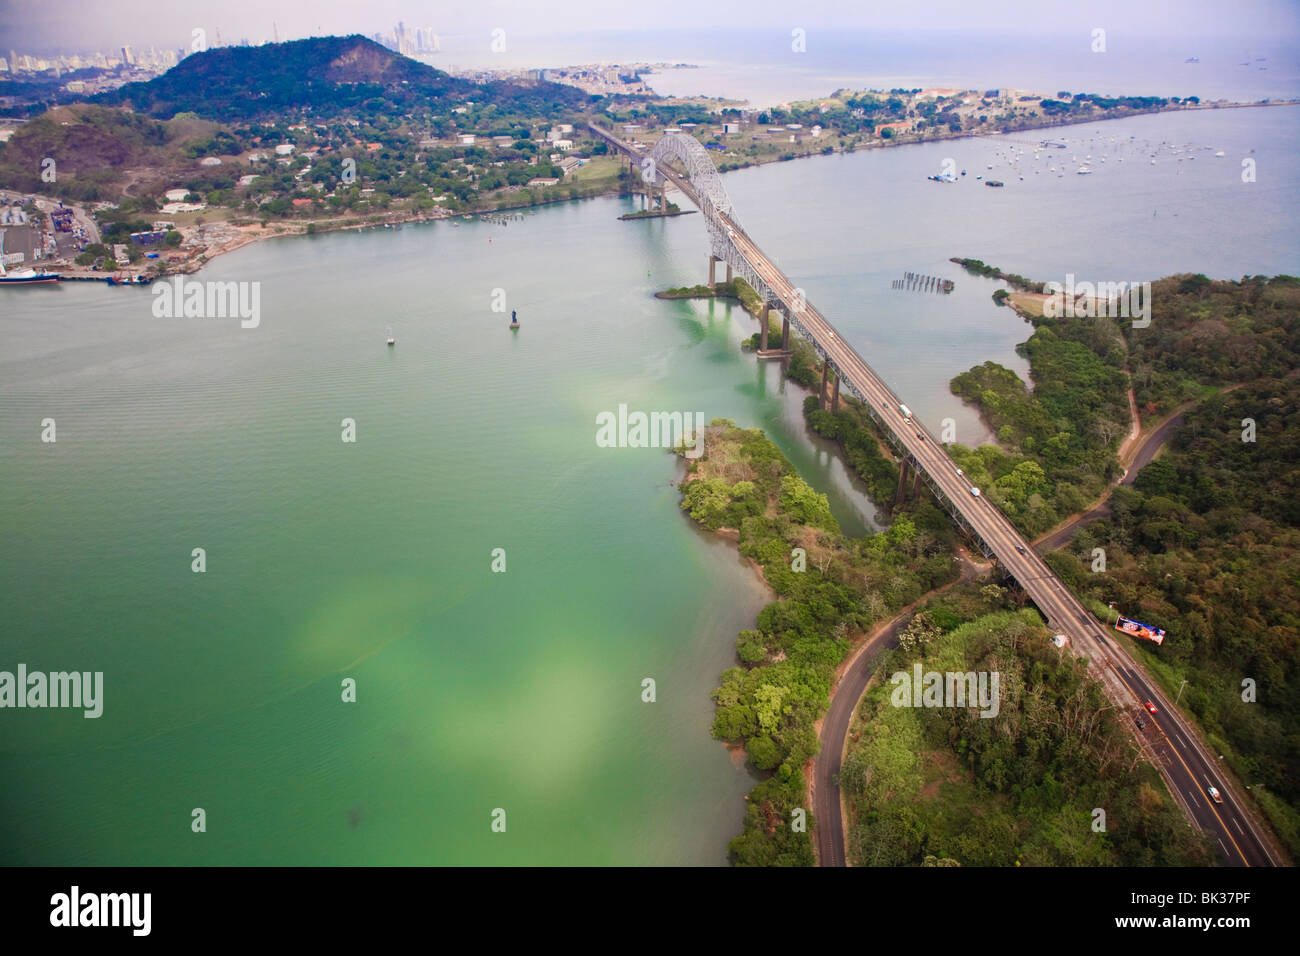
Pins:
x: 372, y: 560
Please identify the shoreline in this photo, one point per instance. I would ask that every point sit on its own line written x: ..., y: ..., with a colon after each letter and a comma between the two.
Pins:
x: 290, y: 228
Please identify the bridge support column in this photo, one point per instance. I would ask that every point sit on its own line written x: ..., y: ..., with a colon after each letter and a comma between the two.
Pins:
x: 712, y: 277
x: 835, y: 395
x: 728, y: 273
x: 821, y: 393
x: 765, y: 349
x: 903, y: 474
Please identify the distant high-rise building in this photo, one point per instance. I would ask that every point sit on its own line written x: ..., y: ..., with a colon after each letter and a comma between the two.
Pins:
x: 128, y: 57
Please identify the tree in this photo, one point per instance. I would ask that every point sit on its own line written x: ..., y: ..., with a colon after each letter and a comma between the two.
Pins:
x: 920, y: 631
x: 767, y: 706
x: 805, y: 505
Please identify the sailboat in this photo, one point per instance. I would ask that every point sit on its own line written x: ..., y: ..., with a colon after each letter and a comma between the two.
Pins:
x: 391, y: 340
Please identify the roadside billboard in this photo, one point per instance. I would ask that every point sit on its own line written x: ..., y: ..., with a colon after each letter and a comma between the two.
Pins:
x: 1138, y: 629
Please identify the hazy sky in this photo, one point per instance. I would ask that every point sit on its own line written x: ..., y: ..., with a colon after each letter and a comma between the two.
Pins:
x: 70, y: 25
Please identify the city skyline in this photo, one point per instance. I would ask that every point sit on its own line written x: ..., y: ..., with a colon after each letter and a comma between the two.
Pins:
x: 81, y: 25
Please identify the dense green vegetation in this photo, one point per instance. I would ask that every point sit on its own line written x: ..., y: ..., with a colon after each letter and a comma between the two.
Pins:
x: 1059, y: 441
x: 943, y: 785
x: 1084, y: 104
x: 1207, y: 546
x: 1061, y: 438
x: 322, y: 77
x: 980, y: 268
x: 719, y: 290
x: 372, y: 132
x: 1207, y: 333
x: 672, y: 209
x: 837, y: 588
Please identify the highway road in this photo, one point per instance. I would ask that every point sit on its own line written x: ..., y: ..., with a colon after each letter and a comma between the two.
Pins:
x: 1187, y: 763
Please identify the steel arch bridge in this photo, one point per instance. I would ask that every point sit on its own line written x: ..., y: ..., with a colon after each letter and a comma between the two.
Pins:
x: 708, y: 193
x: 702, y: 184
x: 701, y: 172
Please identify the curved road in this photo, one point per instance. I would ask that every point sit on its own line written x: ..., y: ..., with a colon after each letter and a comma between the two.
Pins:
x: 1146, y: 452
x: 845, y: 696
x: 1184, y: 760
x: 827, y: 809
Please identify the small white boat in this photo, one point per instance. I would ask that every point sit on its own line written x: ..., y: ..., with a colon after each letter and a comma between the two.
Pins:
x: 1083, y: 171
x: 391, y: 340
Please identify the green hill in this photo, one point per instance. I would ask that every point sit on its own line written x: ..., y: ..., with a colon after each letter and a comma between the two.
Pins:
x: 94, y: 147
x: 323, y: 76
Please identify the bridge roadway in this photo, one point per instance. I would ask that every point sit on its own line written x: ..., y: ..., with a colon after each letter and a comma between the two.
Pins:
x: 1186, y: 762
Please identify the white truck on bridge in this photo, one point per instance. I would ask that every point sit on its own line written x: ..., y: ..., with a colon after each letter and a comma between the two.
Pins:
x: 905, y: 412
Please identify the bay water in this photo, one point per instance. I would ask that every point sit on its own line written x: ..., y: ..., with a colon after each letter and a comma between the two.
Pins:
x: 372, y: 561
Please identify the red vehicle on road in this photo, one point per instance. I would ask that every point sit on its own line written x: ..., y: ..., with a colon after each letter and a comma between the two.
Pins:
x: 1151, y: 707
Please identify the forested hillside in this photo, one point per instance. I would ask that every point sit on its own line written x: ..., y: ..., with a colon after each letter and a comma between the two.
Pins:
x: 1207, y: 543
x: 323, y: 77
x: 1207, y: 546
x: 946, y: 786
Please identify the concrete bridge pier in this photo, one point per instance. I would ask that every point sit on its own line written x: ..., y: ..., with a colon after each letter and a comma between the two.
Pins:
x: 903, y: 474
x: 829, y: 400
x: 764, y: 323
x: 713, y: 279
x: 728, y: 273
